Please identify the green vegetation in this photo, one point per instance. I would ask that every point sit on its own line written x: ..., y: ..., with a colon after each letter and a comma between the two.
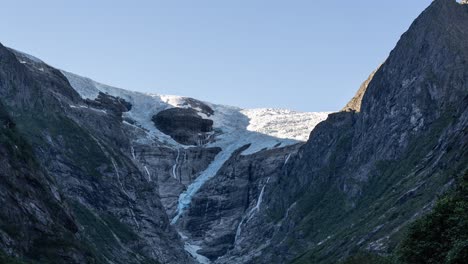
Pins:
x: 4, y: 259
x: 107, y: 235
x: 368, y: 258
x: 19, y: 151
x: 397, y: 190
x: 442, y: 235
x: 97, y: 230
x: 123, y: 231
x: 47, y: 249
x: 438, y: 237
x: 77, y: 145
x: 44, y: 248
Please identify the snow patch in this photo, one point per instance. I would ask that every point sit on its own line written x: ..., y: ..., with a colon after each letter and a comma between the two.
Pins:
x: 192, y: 250
x: 173, y: 100
x: 283, y: 123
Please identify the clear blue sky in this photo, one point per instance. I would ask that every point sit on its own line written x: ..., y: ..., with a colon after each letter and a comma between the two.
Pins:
x: 307, y: 55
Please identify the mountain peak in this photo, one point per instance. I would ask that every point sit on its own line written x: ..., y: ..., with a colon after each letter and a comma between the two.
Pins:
x: 437, y: 37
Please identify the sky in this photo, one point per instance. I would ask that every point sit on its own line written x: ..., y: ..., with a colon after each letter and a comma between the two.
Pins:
x: 298, y: 54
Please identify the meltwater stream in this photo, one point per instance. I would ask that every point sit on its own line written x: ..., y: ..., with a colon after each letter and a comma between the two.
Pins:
x: 185, y: 198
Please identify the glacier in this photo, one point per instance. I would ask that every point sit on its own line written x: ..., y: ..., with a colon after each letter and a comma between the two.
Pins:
x: 262, y: 128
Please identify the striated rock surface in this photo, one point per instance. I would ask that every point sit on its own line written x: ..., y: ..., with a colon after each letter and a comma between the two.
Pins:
x: 363, y: 176
x: 230, y: 200
x: 34, y: 215
x: 116, y: 211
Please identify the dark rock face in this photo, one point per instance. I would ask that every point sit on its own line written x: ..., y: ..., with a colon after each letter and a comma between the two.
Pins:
x: 110, y: 210
x: 363, y: 176
x: 114, y: 104
x: 34, y: 215
x: 230, y: 200
x: 195, y: 104
x: 184, y: 125
x: 174, y: 170
x: 5, y: 121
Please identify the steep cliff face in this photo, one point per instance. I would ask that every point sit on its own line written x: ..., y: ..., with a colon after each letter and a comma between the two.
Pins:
x: 362, y: 176
x: 106, y: 175
x: 122, y: 171
x: 116, y: 208
x: 231, y: 199
x: 34, y: 215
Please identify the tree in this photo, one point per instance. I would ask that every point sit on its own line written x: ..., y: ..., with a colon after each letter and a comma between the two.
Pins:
x: 442, y: 235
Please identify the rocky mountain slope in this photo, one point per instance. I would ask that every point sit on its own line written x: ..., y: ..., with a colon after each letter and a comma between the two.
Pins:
x: 124, y: 165
x: 367, y: 172
x: 97, y: 174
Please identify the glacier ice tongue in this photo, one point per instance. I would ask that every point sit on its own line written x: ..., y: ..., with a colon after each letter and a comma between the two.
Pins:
x: 261, y: 129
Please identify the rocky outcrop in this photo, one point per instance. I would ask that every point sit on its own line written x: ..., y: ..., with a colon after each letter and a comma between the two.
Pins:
x: 172, y: 169
x: 231, y: 199
x: 113, y: 104
x: 199, y: 105
x: 184, y: 125
x: 355, y: 103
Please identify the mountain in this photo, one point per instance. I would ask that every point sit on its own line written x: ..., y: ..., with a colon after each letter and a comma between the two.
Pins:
x: 368, y: 171
x: 122, y: 165
x: 96, y: 174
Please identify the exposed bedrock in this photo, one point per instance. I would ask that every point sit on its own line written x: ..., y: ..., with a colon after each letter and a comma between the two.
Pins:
x: 231, y: 198
x: 184, y: 125
x: 114, y: 104
x: 173, y: 169
x: 71, y: 192
x: 199, y: 105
